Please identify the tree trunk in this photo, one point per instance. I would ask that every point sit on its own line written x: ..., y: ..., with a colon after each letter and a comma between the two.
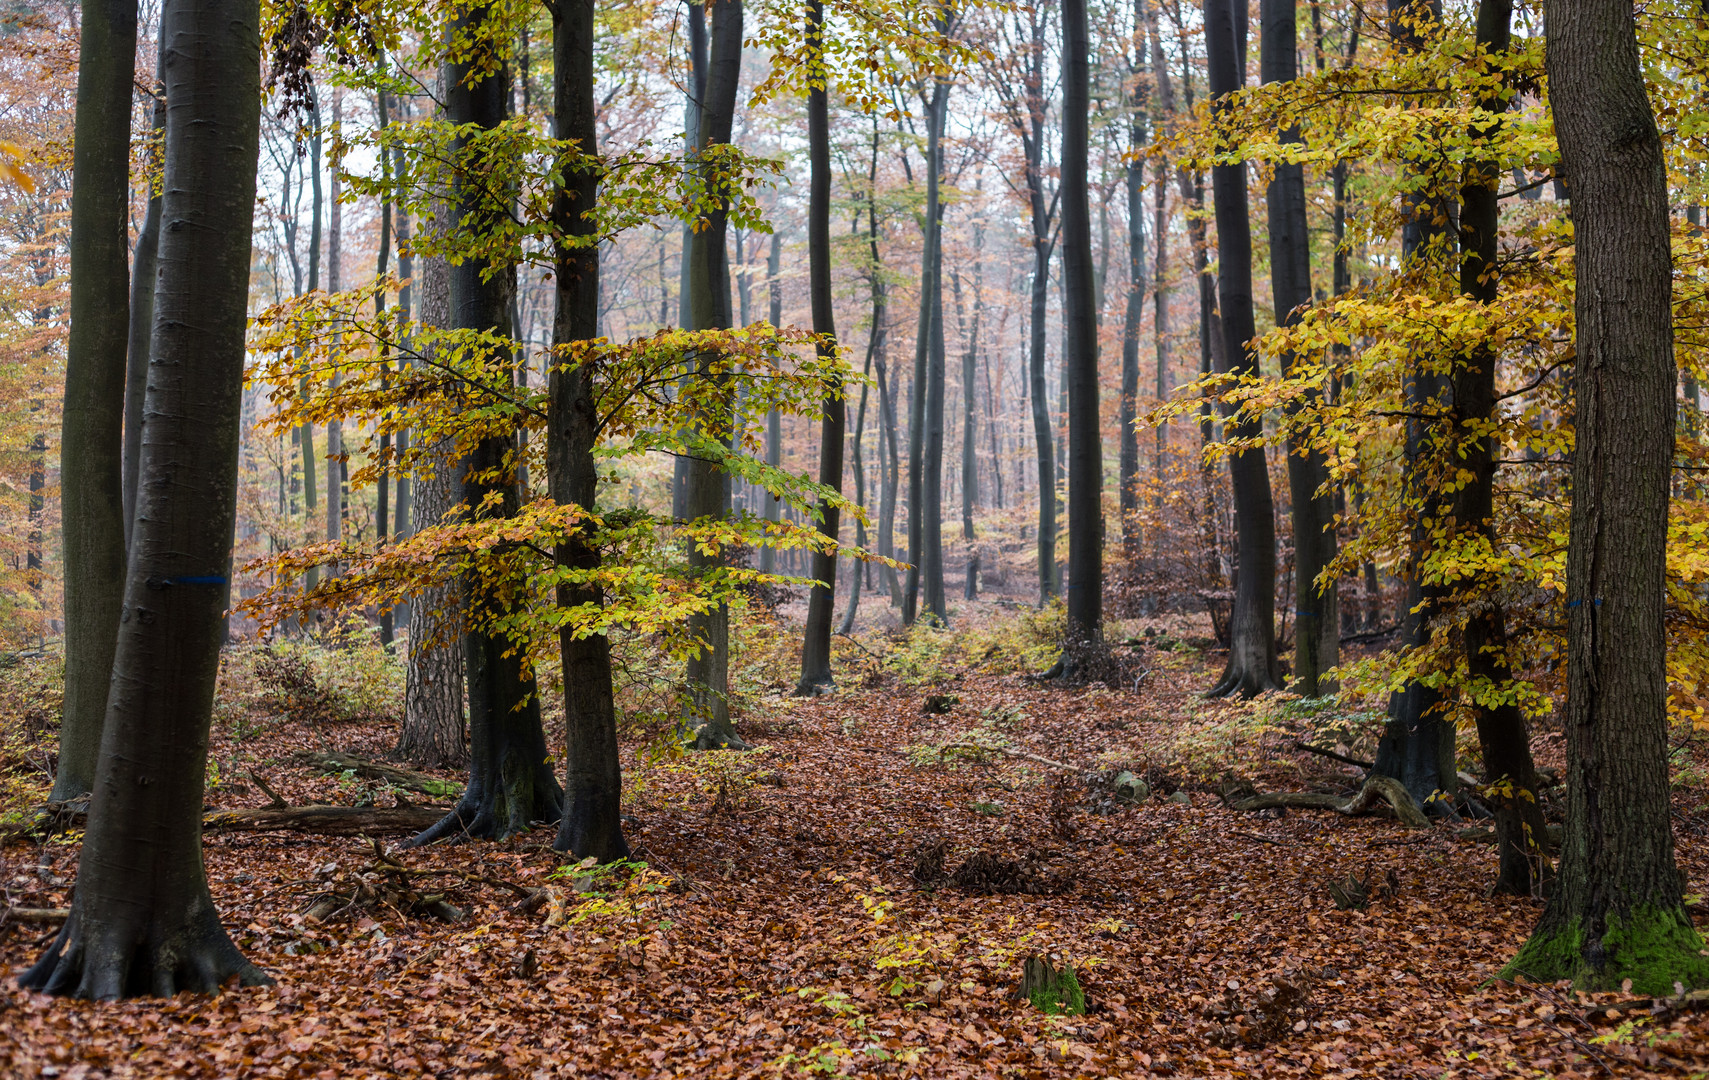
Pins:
x: 92, y: 425
x: 925, y: 421
x: 1617, y: 911
x: 1128, y: 435
x: 816, y: 675
x: 511, y: 784
x: 692, y: 119
x: 335, y: 283
x: 1417, y: 747
x: 143, y: 265
x: 142, y: 921
x: 709, y: 486
x: 1317, y: 623
x: 1080, y: 355
x: 773, y: 419
x: 406, y: 494
x: 593, y: 791
x: 969, y: 417
x: 306, y: 433
x: 1252, y: 666
x: 1042, y: 241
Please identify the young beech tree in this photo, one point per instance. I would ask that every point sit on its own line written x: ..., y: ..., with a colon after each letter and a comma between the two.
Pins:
x: 1617, y: 911
x: 142, y: 921
x: 1080, y: 355
x: 92, y: 430
x: 593, y: 791
x: 511, y: 782
x: 1252, y: 666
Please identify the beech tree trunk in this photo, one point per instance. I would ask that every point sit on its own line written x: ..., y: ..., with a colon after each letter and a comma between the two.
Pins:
x: 1128, y: 435
x: 773, y: 419
x: 143, y: 272
x: 433, y: 730
x: 1252, y: 666
x: 511, y: 785
x: 816, y: 675
x: 92, y: 426
x: 142, y: 920
x: 1317, y: 622
x: 926, y: 414
x: 593, y: 791
x: 1080, y: 355
x: 709, y: 486
x: 969, y: 417
x: 692, y: 120
x: 1617, y: 911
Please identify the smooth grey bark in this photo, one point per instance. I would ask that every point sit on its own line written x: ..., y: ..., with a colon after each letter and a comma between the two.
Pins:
x: 142, y: 921
x: 592, y: 824
x: 1080, y: 353
x: 306, y: 432
x: 401, y: 526
x: 1133, y: 316
x: 708, y: 486
x: 1252, y: 666
x: 1160, y: 228
x: 816, y: 677
x: 969, y: 411
x: 773, y: 419
x: 382, y: 493
x: 92, y: 425
x: 144, y: 261
x: 334, y: 283
x: 925, y: 585
x: 692, y: 119
x: 1617, y: 911
x: 511, y: 784
x: 1317, y: 622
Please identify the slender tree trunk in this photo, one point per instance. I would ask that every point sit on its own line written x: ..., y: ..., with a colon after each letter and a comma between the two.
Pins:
x: 92, y: 427
x: 1128, y: 436
x: 925, y: 421
x: 592, y: 826
x: 511, y: 784
x: 709, y: 486
x: 816, y: 675
x: 1252, y: 666
x: 1417, y: 747
x: 969, y: 416
x: 1317, y: 624
x: 142, y: 921
x: 400, y: 527
x: 335, y: 283
x: 1080, y: 355
x: 1617, y: 911
x: 692, y: 120
x: 773, y: 419
x: 382, y: 494
x: 306, y: 433
x: 143, y: 265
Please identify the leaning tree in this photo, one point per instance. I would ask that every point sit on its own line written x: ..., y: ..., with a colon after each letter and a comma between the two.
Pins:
x: 142, y: 921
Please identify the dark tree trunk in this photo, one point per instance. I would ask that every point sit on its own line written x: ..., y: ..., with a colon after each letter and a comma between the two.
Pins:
x: 1508, y: 768
x: 382, y: 492
x: 142, y: 921
x: 1128, y: 435
x: 1252, y: 666
x: 511, y: 785
x: 1317, y: 624
x: 1080, y: 354
x: 92, y: 428
x: 816, y: 675
x: 1160, y: 227
x: 143, y: 266
x: 709, y: 486
x: 593, y: 791
x: 406, y: 495
x: 306, y: 433
x: 334, y: 283
x: 692, y: 119
x: 969, y: 415
x: 1617, y: 911
x: 1417, y: 747
x: 925, y: 421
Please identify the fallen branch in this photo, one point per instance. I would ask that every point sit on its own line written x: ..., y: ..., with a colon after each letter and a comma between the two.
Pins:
x: 1377, y: 789
x: 34, y: 915
x: 1022, y: 754
x: 1690, y: 1001
x: 1321, y: 752
x: 325, y: 820
x: 331, y: 762
x: 1369, y: 635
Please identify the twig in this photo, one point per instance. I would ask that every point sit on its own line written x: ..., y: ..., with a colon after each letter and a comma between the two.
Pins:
x: 1343, y: 758
x: 1255, y: 836
x: 34, y: 915
x: 277, y: 803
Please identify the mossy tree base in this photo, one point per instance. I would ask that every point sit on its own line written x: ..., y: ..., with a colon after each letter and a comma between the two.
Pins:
x: 1052, y: 990
x: 1658, y: 950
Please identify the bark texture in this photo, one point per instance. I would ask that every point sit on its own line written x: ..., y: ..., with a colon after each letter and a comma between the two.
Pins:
x: 1080, y: 355
x: 1617, y: 911
x: 142, y: 921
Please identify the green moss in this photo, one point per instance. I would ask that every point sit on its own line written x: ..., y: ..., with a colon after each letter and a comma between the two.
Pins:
x: 1654, y: 948
x: 1061, y: 996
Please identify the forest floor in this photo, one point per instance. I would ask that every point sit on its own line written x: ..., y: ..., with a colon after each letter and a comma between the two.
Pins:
x: 779, y: 928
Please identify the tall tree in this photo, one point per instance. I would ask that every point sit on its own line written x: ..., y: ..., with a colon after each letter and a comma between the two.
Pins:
x: 142, y: 920
x: 693, y: 118
x: 593, y: 789
x: 1317, y: 624
x: 1080, y: 355
x: 969, y: 411
x: 773, y: 419
x: 816, y: 648
x: 511, y: 784
x: 92, y: 425
x: 1252, y: 666
x: 926, y: 414
x: 708, y: 485
x: 1127, y: 435
x: 143, y: 265
x: 1617, y: 911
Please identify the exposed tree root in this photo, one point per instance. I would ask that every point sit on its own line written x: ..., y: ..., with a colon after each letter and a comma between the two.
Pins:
x: 134, y: 957
x: 1377, y: 789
